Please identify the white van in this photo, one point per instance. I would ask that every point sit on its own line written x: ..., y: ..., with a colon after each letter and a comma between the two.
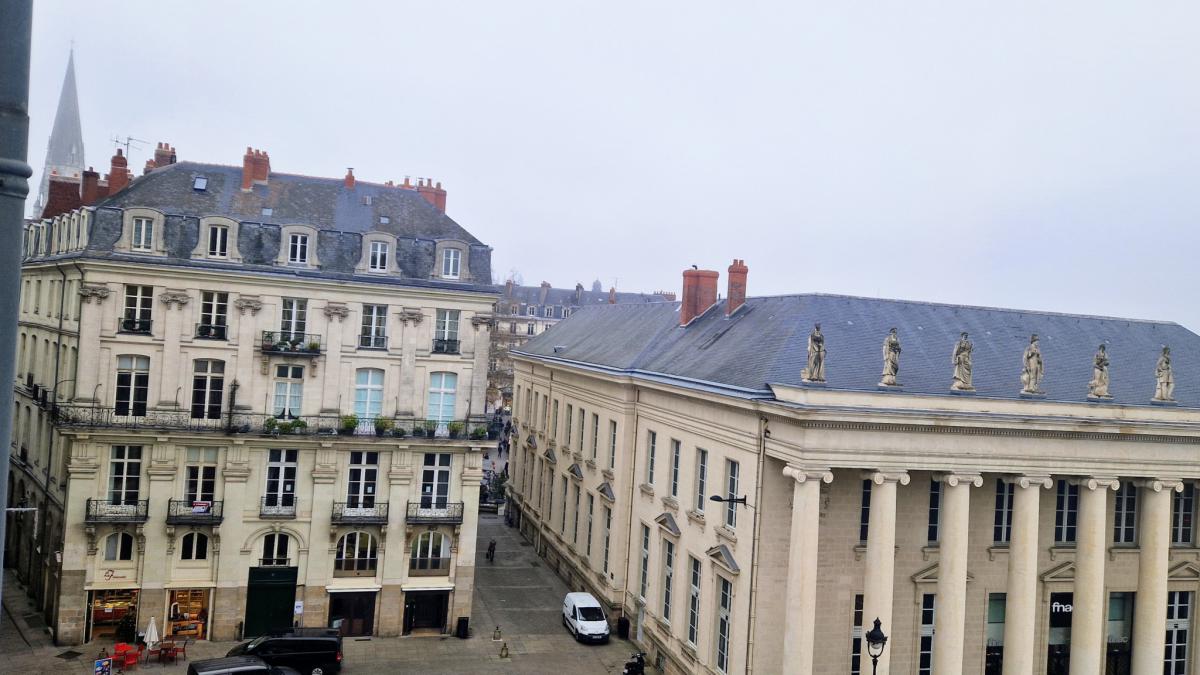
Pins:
x: 585, y: 618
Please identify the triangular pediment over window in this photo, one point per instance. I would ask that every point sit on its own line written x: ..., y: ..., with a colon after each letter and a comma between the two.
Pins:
x: 606, y: 491
x: 531, y: 442
x: 721, y: 555
x: 667, y: 522
x: 1062, y: 572
x: 1184, y: 571
x: 576, y: 472
x: 550, y: 456
x: 930, y: 575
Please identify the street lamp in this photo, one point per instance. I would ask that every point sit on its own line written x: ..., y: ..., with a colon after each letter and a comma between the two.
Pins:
x: 728, y: 500
x: 876, y: 641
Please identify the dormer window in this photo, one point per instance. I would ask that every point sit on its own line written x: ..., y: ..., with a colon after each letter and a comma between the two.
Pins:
x: 143, y: 235
x: 298, y: 249
x: 549, y: 312
x: 218, y: 241
x: 379, y: 256
x: 531, y: 310
x: 451, y: 263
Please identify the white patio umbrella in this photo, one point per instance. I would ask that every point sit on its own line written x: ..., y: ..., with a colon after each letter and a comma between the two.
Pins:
x: 151, y: 633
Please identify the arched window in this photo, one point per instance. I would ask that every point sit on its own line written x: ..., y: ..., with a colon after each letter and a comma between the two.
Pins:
x: 195, y: 546
x: 355, y: 554
x: 275, y: 550
x: 368, y: 393
x: 430, y: 553
x: 118, y: 546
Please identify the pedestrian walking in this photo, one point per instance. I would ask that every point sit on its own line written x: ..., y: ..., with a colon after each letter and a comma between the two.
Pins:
x: 491, y: 552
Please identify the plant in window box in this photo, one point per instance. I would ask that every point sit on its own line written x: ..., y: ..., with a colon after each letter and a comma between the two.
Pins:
x: 348, y: 425
x: 478, y: 434
x: 430, y: 428
x: 455, y: 429
x: 271, y: 426
x: 299, y: 426
x: 285, y: 427
x: 382, y: 426
x: 399, y: 432
x: 314, y: 346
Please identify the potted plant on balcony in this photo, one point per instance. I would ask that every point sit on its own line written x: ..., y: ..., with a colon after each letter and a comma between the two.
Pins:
x: 348, y: 425
x: 399, y: 432
x: 314, y: 346
x: 478, y: 434
x: 271, y: 426
x: 298, y: 426
x: 382, y: 426
x: 284, y: 427
x: 455, y: 429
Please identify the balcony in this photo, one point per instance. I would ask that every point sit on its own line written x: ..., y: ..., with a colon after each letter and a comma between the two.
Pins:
x: 345, y: 514
x: 117, y: 511
x: 432, y: 513
x: 428, y: 567
x: 209, y: 331
x: 278, y: 506
x: 372, y: 342
x: 135, y: 326
x: 273, y: 562
x: 445, y: 346
x: 302, y: 344
x: 187, y: 512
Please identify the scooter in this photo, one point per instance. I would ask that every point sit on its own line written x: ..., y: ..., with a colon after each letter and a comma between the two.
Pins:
x: 636, y: 665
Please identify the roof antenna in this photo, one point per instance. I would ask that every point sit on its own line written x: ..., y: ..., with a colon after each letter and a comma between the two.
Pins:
x: 693, y: 266
x: 128, y: 140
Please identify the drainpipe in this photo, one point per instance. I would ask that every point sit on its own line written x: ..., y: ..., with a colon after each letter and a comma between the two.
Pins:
x: 62, y: 296
x: 763, y: 434
x: 17, y: 17
x: 637, y: 400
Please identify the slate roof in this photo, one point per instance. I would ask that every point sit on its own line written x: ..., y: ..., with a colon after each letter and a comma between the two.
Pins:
x: 765, y: 342
x: 566, y: 297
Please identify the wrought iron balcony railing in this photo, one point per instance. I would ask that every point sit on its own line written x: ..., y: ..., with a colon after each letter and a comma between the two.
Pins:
x: 278, y: 506
x: 187, y: 512
x: 210, y: 331
x: 434, y: 512
x: 139, y: 326
x: 355, y: 513
x: 445, y: 346
x: 372, y: 342
x: 117, y: 510
x: 276, y: 342
x: 428, y: 567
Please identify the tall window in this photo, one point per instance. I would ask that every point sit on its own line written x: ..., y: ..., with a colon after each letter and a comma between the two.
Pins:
x: 218, y: 241
x: 298, y: 249
x: 139, y: 307
x: 118, y: 546
x: 194, y: 547
x: 701, y: 479
x: 1002, y: 525
x: 281, y: 480
x: 693, y: 601
x: 451, y: 263
x: 591, y: 501
x: 612, y: 444
x: 562, y: 528
x: 529, y: 328
x: 133, y: 385
x: 1179, y: 619
x: 724, y: 619
x: 214, y: 312
x: 208, y: 385
x: 1125, y: 514
x: 1183, y: 509
x: 856, y: 633
x: 668, y: 578
x: 293, y: 319
x: 675, y: 450
x: 994, y: 637
x: 651, y: 448
x: 143, y: 235
x: 575, y: 517
x: 379, y: 256
x: 731, y: 492
x: 864, y: 511
x: 935, y: 508
x: 289, y: 390
x: 570, y: 419
x: 445, y: 331
x: 435, y: 480
x: 595, y: 434
x: 201, y: 475
x: 1066, y: 512
x: 368, y: 393
x: 925, y: 655
x: 430, y: 551
x: 374, y: 327
x: 275, y: 550
x: 554, y: 420
x: 355, y: 553
x: 607, y: 533
x: 124, y: 474
x: 360, y: 485
x: 645, y: 578
x: 442, y: 389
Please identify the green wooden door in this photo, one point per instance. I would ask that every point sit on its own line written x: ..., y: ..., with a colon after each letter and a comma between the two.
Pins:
x: 270, y: 600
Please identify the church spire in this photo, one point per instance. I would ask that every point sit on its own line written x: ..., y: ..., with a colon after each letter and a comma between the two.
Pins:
x: 64, y: 154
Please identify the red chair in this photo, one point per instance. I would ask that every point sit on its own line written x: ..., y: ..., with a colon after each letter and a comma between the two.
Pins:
x: 153, y: 653
x: 130, y: 659
x: 182, y: 647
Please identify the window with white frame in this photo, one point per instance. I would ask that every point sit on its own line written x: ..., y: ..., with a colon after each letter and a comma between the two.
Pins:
x: 355, y: 554
x: 289, y: 390
x: 693, y: 631
x: 724, y: 622
x: 443, y: 388
x: 575, y: 517
x: 651, y: 444
x: 562, y: 527
x: 701, y: 479
x: 554, y: 420
x: 214, y: 315
x: 644, y: 583
x: 676, y: 448
x: 668, y: 578
x: 378, y: 261
x: 275, y: 550
x: 435, y: 480
x: 194, y: 547
x: 612, y: 444
x: 298, y: 249
x: 548, y: 312
x: 445, y: 331
x: 595, y: 434
x: 218, y: 241
x: 1066, y: 512
x: 430, y: 551
x: 118, y: 546
x: 1002, y: 523
x: 124, y: 475
x: 293, y: 319
x: 607, y: 534
x: 139, y: 308
x: 856, y: 632
x: 368, y: 393
x: 281, y: 481
x: 590, y: 505
x: 732, y: 473
x: 531, y: 311
x: 200, y: 475
x: 529, y: 328
x: 208, y: 387
x: 925, y: 655
x: 570, y: 421
x: 374, y: 327
x: 451, y: 263
x: 1125, y: 515
x: 133, y: 385
x: 935, y: 509
x: 361, y: 480
x: 582, y: 417
x: 143, y: 235
x: 1183, y: 510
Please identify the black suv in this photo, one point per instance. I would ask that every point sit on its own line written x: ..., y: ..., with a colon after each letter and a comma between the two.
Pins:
x: 237, y: 665
x: 310, y: 651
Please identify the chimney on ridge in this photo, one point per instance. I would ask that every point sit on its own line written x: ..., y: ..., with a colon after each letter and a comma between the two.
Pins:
x: 349, y: 179
x: 164, y: 154
x: 578, y: 293
x: 737, y: 286
x: 89, y: 190
x: 118, y: 173
x: 256, y: 167
x: 545, y: 289
x: 612, y: 295
x: 433, y: 195
x: 699, y: 293
x: 508, y: 286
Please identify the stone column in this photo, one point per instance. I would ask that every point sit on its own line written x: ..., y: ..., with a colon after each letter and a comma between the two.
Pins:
x: 951, y: 614
x: 1150, y: 608
x: 1020, y: 611
x: 1087, y: 617
x: 880, y: 572
x: 333, y: 400
x: 396, y: 533
x: 411, y: 318
x: 232, y: 577
x: 253, y: 376
x: 801, y: 599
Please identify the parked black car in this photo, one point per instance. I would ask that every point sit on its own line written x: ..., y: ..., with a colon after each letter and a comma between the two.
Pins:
x: 310, y: 651
x: 237, y: 665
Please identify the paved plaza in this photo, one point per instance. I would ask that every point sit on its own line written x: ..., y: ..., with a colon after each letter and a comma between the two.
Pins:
x: 516, y: 593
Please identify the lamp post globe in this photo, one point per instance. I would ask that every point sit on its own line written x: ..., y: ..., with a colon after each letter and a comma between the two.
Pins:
x: 876, y: 641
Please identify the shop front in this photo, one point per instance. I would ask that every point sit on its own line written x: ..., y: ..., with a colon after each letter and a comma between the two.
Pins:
x: 187, y: 613
x: 108, y: 608
x: 352, y: 612
x: 1058, y: 643
x: 426, y: 608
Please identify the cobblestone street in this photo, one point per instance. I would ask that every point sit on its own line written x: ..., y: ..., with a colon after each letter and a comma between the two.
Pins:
x: 516, y: 593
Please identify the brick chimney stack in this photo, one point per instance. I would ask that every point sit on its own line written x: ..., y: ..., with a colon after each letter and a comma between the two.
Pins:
x: 247, y: 169
x: 543, y: 292
x: 699, y: 293
x: 349, y: 178
x: 262, y: 167
x: 737, y: 286
x: 62, y: 195
x: 164, y: 154
x: 89, y: 189
x: 256, y: 167
x: 578, y: 293
x: 150, y: 166
x: 612, y: 295
x: 433, y: 195
x: 118, y: 173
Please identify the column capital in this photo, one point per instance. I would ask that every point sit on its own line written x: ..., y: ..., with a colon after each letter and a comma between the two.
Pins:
x: 879, y: 477
x: 802, y: 474
x: 1160, y: 484
x: 1097, y: 482
x: 1029, y: 479
x: 954, y: 478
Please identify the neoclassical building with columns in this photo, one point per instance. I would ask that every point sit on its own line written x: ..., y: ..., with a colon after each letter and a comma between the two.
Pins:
x: 1001, y: 503
x: 248, y: 399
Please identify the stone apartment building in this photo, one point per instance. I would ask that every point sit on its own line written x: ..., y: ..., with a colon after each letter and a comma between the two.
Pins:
x: 247, y: 399
x: 525, y: 311
x: 1001, y: 503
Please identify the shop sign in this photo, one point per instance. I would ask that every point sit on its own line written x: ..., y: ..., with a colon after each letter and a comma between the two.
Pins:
x: 104, y: 666
x: 201, y: 508
x: 299, y: 607
x: 111, y: 574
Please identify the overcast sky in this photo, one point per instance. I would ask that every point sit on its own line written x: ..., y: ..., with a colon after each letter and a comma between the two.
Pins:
x: 1022, y: 154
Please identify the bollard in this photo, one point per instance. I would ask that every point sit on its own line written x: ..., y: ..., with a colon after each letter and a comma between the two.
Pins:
x: 496, y: 634
x: 504, y: 651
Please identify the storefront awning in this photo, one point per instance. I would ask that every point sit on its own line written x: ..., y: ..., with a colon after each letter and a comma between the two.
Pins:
x: 433, y: 584
x: 352, y: 585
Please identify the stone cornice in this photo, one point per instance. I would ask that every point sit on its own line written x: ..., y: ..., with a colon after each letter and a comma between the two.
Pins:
x: 993, y: 431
